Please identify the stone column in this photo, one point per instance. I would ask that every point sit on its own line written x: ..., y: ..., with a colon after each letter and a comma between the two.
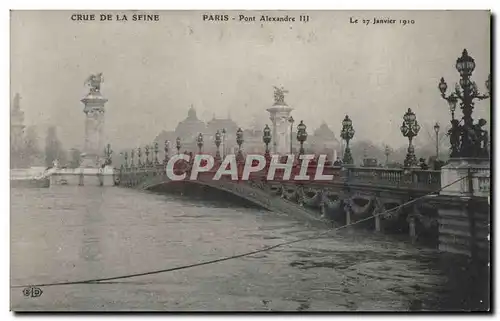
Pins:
x: 94, y: 125
x: 463, y: 209
x: 279, y: 115
x: 274, y: 141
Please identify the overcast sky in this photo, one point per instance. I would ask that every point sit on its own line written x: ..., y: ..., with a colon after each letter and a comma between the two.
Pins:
x: 153, y: 71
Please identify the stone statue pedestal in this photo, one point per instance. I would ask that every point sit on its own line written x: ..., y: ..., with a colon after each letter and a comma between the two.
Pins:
x: 94, y: 126
x: 279, y: 115
x: 463, y: 207
x: 91, y: 172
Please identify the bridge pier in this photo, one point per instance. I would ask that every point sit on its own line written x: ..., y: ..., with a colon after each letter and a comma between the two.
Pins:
x: 378, y: 224
x: 412, y: 229
x: 348, y: 216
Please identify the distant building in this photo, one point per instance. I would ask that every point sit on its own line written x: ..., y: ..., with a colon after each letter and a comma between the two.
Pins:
x: 216, y: 124
x: 254, y: 143
x: 322, y: 140
x: 189, y: 129
x: 16, y: 125
x: 18, y: 155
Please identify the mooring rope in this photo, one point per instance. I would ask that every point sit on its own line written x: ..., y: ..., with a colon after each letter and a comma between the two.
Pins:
x: 269, y: 248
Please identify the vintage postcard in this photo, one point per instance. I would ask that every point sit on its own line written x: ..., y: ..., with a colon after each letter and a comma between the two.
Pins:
x: 334, y: 161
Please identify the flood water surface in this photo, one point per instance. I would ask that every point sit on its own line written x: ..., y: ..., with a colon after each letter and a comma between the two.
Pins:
x: 66, y: 233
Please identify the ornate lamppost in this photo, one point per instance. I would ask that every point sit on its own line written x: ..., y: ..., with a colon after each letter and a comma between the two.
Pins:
x: 139, y: 154
x: 223, y: 142
x: 267, y: 138
x: 436, y: 130
x: 387, y: 152
x: 156, y: 153
x: 291, y: 121
x: 147, y: 155
x: 347, y: 134
x: 239, y: 141
x: 167, y: 146
x: 107, y: 152
x: 301, y: 136
x: 178, y: 145
x: 217, y: 144
x: 200, y: 142
x: 465, y: 139
x: 410, y: 129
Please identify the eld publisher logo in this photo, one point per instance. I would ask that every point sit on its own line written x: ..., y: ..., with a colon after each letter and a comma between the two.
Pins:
x: 32, y: 292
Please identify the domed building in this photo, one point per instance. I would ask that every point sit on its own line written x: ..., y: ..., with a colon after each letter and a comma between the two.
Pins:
x: 190, y: 127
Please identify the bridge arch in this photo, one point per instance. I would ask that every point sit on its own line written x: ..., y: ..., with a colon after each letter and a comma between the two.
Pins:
x: 195, y: 189
x: 248, y: 192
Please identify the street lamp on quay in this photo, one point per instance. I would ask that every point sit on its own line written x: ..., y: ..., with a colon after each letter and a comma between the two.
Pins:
x: 167, y: 146
x: 178, y: 145
x: 387, y: 152
x: 139, y: 156
x: 410, y: 129
x: 200, y: 142
x: 223, y: 142
x: 347, y: 134
x: 464, y: 139
x: 155, y: 149
x: 239, y: 141
x: 291, y: 121
x: 217, y: 144
x: 125, y: 155
x: 301, y: 136
x: 146, y: 151
x: 436, y: 130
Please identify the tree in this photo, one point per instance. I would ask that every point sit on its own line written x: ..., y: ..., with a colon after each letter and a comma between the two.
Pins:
x: 76, y: 158
x: 32, y: 141
x: 365, y: 148
x: 32, y: 148
x: 53, y: 148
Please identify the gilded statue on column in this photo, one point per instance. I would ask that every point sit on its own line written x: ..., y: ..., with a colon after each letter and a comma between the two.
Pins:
x: 94, y: 82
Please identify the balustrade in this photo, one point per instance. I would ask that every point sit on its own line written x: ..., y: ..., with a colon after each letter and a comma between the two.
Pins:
x: 413, y: 178
x: 426, y: 180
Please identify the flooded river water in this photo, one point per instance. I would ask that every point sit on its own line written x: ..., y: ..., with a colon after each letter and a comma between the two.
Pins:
x: 66, y: 233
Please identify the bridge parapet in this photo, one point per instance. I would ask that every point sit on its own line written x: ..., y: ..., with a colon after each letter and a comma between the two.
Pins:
x: 415, y: 179
x: 406, y: 179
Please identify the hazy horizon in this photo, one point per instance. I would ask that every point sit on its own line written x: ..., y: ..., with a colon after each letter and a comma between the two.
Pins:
x: 154, y: 71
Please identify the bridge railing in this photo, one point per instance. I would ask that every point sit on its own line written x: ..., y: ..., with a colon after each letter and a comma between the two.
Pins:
x: 398, y: 178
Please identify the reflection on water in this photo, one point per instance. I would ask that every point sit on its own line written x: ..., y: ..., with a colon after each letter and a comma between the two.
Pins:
x: 74, y: 233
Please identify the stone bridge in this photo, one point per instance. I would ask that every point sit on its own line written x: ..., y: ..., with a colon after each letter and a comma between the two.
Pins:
x: 354, y: 194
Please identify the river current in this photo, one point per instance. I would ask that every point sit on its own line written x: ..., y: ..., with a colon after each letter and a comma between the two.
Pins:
x: 69, y: 233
